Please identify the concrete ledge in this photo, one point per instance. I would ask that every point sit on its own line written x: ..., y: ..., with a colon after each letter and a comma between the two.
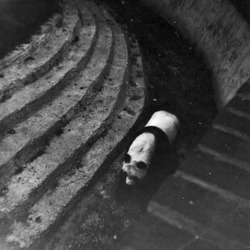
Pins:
x: 33, y: 132
x: 19, y: 21
x: 36, y: 63
x: 36, y: 40
x: 220, y: 32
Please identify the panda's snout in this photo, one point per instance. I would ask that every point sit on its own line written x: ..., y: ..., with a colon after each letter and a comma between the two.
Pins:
x: 131, y: 180
x: 134, y: 174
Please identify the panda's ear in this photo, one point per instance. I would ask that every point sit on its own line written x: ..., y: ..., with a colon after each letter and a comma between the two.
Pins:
x: 141, y: 165
x: 127, y: 158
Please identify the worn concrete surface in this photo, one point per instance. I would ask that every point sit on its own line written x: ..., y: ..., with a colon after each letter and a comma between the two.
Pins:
x: 18, y: 99
x: 220, y: 32
x: 100, y: 98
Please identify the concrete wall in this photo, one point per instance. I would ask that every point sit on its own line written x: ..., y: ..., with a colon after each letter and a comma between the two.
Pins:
x: 220, y: 32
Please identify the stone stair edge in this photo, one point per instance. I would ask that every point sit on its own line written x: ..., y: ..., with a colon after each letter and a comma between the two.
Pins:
x: 21, y: 51
x: 61, y: 122
x: 39, y: 61
x: 92, y: 136
x: 37, y: 95
x: 126, y: 113
x: 116, y: 133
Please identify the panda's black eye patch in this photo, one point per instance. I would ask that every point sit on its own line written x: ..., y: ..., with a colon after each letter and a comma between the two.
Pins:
x: 127, y: 158
x: 141, y: 165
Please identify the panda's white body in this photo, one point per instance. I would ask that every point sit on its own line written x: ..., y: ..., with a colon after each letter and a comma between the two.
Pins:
x: 141, y: 151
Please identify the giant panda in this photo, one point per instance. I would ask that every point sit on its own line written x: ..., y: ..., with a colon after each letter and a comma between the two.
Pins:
x: 162, y: 128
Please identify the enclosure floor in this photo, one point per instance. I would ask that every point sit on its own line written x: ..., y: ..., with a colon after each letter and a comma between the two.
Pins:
x: 179, y: 205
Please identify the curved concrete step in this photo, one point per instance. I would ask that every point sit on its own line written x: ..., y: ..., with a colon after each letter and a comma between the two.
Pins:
x: 46, y: 31
x: 30, y: 136
x: 63, y: 151
x: 70, y: 187
x: 35, y: 64
x: 62, y: 139
x: 30, y: 98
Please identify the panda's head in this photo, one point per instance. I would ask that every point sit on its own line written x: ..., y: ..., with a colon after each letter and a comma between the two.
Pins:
x: 138, y: 157
x: 134, y: 169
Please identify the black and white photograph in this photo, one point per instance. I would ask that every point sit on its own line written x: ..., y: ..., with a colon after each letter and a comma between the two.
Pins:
x: 124, y: 124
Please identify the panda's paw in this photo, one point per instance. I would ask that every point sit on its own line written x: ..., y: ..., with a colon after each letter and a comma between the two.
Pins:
x: 131, y: 180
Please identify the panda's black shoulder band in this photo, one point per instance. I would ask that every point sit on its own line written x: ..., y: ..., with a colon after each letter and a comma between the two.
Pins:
x: 160, y: 137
